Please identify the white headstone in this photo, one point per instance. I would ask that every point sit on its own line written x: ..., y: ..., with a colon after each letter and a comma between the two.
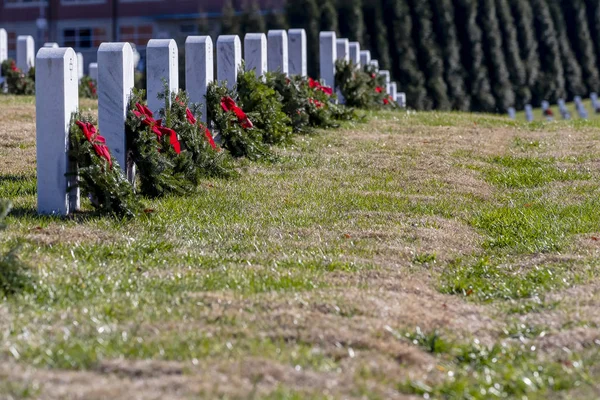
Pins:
x: 162, y: 64
x: 278, y: 51
x: 25, y: 53
x: 93, y: 71
x: 199, y: 69
x: 51, y: 45
x: 3, y: 45
x: 115, y: 83
x: 593, y: 97
x: 564, y: 111
x: 343, y: 49
x: 57, y: 97
x: 401, y: 99
x: 512, y: 113
x: 79, y: 66
x: 297, y: 52
x: 255, y: 53
x: 365, y: 58
x: 528, y: 113
x: 393, y: 90
x: 386, y: 75
x: 375, y: 63
x: 355, y: 53
x: 328, y: 55
x: 229, y: 59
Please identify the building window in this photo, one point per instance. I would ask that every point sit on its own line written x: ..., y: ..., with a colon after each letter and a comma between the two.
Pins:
x: 24, y: 3
x: 140, y: 35
x: 81, y: 2
x: 83, y: 38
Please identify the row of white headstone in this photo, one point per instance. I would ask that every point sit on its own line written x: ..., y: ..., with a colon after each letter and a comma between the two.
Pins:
x: 26, y: 52
x: 562, y: 107
x: 57, y: 89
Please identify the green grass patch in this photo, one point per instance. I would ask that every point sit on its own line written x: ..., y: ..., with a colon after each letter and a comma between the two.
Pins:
x: 528, y: 172
x: 485, y: 279
x: 475, y: 371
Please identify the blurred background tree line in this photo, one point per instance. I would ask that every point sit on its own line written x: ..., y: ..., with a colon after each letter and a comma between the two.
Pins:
x: 479, y: 55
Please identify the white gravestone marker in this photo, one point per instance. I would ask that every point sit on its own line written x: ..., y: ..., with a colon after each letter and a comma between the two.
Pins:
x: 229, y: 59
x: 328, y: 55
x: 3, y: 45
x: 365, y: 58
x: 297, y: 52
x: 529, y: 113
x: 55, y: 79
x: 401, y: 99
x: 580, y: 107
x: 25, y: 53
x: 546, y: 111
x: 375, y: 63
x: 199, y: 69
x: 393, y: 90
x: 564, y: 111
x: 93, y: 71
x: 51, y: 45
x: 115, y: 83
x: 79, y: 66
x: 278, y: 51
x: 255, y: 53
x: 386, y: 75
x: 343, y: 49
x: 512, y: 113
x: 593, y: 97
x: 162, y: 64
x: 354, y: 48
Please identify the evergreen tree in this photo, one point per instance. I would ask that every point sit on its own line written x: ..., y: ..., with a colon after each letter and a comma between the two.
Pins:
x: 276, y: 19
x: 527, y: 39
x: 454, y: 73
x: 404, y: 59
x: 581, y: 39
x: 469, y: 34
x: 329, y: 16
x: 376, y: 33
x: 593, y: 7
x: 351, y: 20
x: 306, y: 14
x: 572, y: 70
x: 514, y: 63
x: 429, y: 55
x: 252, y: 20
x: 551, y: 83
x: 230, y: 23
x: 492, y: 44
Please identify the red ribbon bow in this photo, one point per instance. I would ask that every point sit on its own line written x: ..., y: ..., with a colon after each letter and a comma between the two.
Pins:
x: 379, y: 89
x: 156, y: 126
x: 13, y: 67
x: 97, y: 141
x: 192, y: 120
x: 227, y: 104
x: 317, y: 103
x: 316, y: 85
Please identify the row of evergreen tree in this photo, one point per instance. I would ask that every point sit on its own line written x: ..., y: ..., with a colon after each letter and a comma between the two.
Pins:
x: 480, y: 55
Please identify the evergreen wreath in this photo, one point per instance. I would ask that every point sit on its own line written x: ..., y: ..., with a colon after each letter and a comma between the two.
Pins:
x: 18, y: 82
x: 171, y: 154
x: 236, y: 130
x: 88, y: 88
x: 362, y: 88
x: 99, y: 176
x: 264, y: 108
x: 305, y: 101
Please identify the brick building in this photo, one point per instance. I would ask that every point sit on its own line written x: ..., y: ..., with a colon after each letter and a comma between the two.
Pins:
x: 84, y: 24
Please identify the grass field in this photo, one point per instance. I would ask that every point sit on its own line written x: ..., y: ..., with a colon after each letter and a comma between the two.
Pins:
x: 442, y: 255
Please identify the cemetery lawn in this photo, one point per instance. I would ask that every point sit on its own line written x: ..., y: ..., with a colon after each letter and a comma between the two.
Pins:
x: 441, y: 254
